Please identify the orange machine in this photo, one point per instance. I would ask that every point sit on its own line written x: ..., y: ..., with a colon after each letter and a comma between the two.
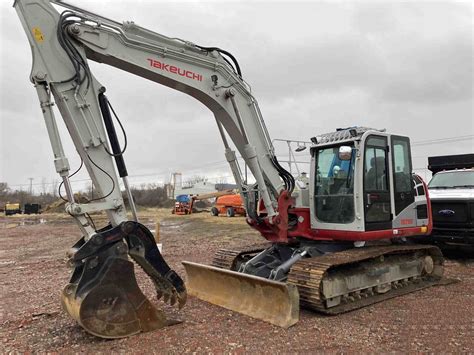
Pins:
x: 185, y: 203
x: 229, y: 205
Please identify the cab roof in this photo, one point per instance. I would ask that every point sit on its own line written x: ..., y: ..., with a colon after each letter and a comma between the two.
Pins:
x: 342, y: 134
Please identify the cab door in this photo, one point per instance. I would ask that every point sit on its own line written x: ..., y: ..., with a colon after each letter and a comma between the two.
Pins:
x: 377, y: 197
x: 403, y: 184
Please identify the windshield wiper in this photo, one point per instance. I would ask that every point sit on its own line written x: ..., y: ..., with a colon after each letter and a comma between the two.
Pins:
x: 463, y: 186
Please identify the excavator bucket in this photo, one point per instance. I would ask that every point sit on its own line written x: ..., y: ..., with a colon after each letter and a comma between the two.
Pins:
x: 103, y: 295
x: 113, y: 306
x: 271, y: 301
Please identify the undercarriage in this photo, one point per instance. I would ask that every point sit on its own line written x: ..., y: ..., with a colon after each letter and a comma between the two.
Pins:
x: 334, y: 278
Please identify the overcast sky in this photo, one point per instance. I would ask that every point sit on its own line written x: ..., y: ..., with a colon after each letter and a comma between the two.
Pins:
x: 313, y: 67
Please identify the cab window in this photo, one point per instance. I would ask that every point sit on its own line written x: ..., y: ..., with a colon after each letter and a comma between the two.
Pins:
x: 376, y: 184
x: 401, y: 163
x: 334, y: 189
x: 375, y: 165
x: 403, y: 184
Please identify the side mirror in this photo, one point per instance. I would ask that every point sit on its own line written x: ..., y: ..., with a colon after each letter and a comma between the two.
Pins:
x: 345, y: 152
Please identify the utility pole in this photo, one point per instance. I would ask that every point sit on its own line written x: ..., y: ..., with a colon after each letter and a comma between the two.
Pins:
x: 176, y: 182
x: 31, y: 185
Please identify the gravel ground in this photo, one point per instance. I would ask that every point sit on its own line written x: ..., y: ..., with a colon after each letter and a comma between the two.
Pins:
x: 33, y: 272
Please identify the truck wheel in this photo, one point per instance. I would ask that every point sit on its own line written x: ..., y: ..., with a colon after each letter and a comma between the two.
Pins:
x: 230, y: 212
x: 214, y: 211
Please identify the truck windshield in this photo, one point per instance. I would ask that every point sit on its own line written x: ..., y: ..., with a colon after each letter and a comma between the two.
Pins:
x: 454, y: 179
x: 334, y: 189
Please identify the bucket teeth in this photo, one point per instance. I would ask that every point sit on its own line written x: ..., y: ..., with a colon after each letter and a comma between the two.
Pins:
x: 143, y: 250
x: 173, y: 297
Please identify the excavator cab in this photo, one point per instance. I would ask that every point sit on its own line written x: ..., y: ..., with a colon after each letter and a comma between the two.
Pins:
x: 363, y: 182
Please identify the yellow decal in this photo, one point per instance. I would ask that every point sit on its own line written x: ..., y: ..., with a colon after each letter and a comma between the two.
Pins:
x: 38, y: 34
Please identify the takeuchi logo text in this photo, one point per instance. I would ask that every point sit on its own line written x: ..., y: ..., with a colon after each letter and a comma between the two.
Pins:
x: 174, y: 70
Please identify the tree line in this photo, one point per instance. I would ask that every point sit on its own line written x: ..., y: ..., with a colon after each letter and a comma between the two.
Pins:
x: 146, y: 195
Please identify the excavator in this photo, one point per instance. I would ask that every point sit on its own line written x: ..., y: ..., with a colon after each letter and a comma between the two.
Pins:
x: 337, y: 243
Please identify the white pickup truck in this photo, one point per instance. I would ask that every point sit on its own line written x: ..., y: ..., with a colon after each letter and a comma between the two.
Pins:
x: 452, y: 199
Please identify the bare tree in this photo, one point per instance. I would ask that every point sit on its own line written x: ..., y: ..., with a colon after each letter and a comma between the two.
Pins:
x: 151, y: 195
x: 195, y: 179
x: 44, y: 186
x: 221, y: 180
x: 54, y: 187
x: 3, y: 188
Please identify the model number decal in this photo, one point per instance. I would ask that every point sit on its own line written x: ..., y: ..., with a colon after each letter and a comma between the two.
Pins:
x: 174, y: 70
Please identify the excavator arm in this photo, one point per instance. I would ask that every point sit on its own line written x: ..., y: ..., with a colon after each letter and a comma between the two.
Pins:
x: 61, y: 45
x: 103, y: 295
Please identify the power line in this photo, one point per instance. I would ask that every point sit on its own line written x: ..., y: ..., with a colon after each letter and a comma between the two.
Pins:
x: 224, y: 162
x: 443, y: 140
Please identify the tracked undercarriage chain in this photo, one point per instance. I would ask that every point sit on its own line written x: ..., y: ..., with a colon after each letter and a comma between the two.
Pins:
x: 227, y: 258
x: 314, y: 276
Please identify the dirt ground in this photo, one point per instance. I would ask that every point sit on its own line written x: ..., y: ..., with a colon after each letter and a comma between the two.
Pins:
x: 33, y: 271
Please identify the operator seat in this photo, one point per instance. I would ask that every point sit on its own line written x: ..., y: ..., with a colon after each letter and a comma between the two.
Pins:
x: 371, y: 177
x: 375, y: 177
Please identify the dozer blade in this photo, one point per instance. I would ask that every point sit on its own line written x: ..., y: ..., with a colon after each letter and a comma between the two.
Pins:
x: 271, y: 301
x: 103, y: 295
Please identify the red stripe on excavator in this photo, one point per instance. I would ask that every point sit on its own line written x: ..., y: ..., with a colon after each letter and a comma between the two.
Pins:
x: 366, y: 236
x: 303, y: 230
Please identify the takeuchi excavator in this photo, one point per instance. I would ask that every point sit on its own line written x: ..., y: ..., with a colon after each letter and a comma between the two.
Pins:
x: 336, y: 244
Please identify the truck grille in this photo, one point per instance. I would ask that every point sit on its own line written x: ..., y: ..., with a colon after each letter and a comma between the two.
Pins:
x: 450, y: 213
